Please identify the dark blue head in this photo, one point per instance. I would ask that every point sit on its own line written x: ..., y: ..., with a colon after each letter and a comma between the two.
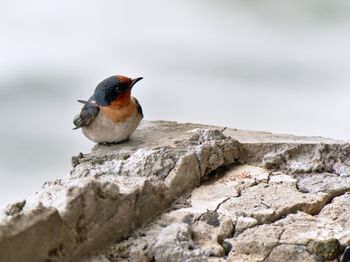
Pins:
x: 109, y: 89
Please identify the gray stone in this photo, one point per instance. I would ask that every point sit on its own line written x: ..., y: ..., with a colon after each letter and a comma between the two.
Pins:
x: 174, y: 244
x: 323, y: 182
x: 210, y: 232
x: 15, y: 208
x: 243, y: 223
x: 115, y: 189
x: 259, y: 240
x: 268, y: 202
x: 38, y: 234
x: 328, y: 249
x: 187, y: 192
x: 295, y: 253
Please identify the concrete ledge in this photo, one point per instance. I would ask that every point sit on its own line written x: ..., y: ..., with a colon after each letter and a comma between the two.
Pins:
x: 117, y: 189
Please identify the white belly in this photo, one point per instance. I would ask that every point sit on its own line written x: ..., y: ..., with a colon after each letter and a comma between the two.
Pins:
x: 104, y: 130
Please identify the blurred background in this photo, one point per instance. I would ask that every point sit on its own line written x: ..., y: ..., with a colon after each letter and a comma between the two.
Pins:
x: 279, y: 66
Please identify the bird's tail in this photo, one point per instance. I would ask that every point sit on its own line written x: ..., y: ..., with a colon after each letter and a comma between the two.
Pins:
x: 77, y: 122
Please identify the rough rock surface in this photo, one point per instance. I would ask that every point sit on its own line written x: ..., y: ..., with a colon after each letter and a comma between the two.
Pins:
x: 186, y: 192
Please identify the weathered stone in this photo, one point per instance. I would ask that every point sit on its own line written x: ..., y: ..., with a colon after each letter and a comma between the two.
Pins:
x: 328, y: 249
x: 295, y: 253
x: 15, y: 208
x: 184, y: 177
x: 227, y: 247
x: 229, y: 184
x: 268, y: 202
x: 258, y: 240
x: 210, y: 232
x: 337, y: 211
x: 211, y: 218
x: 243, y: 223
x: 320, y: 157
x: 288, y: 202
x: 234, y: 257
x: 279, y: 179
x: 321, y: 235
x: 249, y: 196
x: 323, y: 182
x: 113, y: 190
x: 37, y: 235
x: 174, y: 244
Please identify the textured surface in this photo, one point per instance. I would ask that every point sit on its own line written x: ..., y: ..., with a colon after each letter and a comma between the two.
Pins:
x: 186, y: 192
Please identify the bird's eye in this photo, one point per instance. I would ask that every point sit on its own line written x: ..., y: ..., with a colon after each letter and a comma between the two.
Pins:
x: 122, y: 87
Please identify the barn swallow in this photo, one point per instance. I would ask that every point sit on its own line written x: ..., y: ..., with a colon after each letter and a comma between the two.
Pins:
x: 111, y: 114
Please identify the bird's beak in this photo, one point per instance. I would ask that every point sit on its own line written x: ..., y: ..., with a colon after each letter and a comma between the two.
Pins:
x: 135, y: 80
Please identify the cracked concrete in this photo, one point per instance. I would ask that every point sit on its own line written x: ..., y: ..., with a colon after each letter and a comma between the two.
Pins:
x: 186, y: 192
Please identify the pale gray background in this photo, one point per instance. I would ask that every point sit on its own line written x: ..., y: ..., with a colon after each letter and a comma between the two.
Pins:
x: 280, y: 66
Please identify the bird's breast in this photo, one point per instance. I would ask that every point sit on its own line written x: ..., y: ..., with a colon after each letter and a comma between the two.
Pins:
x: 118, y: 113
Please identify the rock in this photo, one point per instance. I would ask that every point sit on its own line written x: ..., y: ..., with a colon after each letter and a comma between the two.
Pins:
x: 259, y: 240
x: 114, y: 190
x: 174, y: 244
x: 38, y: 234
x: 211, y: 218
x: 328, y: 249
x: 293, y: 253
x: 209, y: 233
x: 243, y: 223
x: 187, y: 192
x: 234, y: 257
x: 280, y: 179
x: 320, y: 157
x: 268, y: 202
x: 323, y: 182
x: 229, y: 184
x: 15, y: 208
x: 227, y: 247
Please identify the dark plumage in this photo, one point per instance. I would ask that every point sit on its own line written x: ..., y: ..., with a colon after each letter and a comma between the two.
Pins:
x: 108, y: 90
x: 88, y: 113
x: 138, y: 107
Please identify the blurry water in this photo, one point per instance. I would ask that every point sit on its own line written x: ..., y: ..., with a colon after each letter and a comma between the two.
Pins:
x: 280, y: 66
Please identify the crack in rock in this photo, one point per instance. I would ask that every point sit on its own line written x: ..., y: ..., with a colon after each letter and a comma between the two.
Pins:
x: 268, y: 198
x: 317, y: 236
x: 279, y: 248
x: 276, y: 245
x: 333, y: 158
x: 107, y: 196
x: 268, y: 202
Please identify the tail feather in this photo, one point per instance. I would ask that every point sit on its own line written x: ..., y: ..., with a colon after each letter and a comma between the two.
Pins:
x: 77, y: 122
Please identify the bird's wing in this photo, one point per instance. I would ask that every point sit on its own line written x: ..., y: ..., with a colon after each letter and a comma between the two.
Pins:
x: 87, y: 115
x: 138, y: 107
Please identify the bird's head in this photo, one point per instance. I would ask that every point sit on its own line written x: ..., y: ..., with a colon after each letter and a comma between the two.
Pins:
x: 114, y: 90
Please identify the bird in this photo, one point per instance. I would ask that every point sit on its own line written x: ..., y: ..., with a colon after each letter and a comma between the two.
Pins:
x: 111, y: 114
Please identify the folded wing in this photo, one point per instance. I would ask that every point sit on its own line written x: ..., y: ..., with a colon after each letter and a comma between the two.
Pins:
x: 88, y: 113
x: 138, y: 107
